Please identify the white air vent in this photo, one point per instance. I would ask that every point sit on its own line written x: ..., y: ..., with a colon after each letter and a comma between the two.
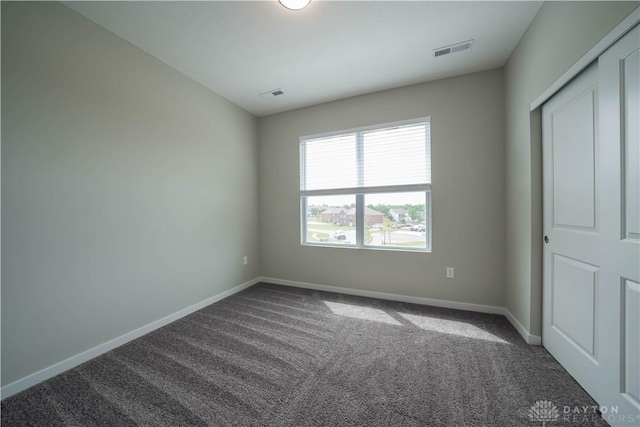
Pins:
x: 454, y: 48
x: 272, y: 93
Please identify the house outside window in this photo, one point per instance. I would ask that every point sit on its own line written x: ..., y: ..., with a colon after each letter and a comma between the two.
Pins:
x: 368, y: 187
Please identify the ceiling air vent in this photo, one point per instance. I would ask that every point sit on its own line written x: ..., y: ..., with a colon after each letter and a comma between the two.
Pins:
x: 454, y: 48
x: 272, y: 93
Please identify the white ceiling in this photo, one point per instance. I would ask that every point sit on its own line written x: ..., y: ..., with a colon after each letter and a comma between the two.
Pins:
x: 330, y: 50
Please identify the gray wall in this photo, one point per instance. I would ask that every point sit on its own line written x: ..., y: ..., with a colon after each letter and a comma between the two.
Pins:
x: 129, y: 191
x: 467, y: 194
x: 561, y: 33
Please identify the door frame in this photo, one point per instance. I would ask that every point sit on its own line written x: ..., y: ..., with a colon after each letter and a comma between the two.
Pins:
x: 594, y: 53
x: 535, y: 121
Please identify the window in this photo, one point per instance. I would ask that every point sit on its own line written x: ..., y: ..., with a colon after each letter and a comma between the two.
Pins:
x: 368, y: 187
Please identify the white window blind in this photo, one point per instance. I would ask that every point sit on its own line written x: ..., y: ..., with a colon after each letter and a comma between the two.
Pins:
x: 329, y: 163
x: 399, y: 155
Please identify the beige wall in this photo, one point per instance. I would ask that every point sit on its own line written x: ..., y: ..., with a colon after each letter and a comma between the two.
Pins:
x: 468, y: 193
x: 561, y: 33
x: 129, y: 191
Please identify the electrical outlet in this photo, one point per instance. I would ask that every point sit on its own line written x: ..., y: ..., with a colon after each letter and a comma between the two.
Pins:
x: 450, y: 272
x: 245, y: 260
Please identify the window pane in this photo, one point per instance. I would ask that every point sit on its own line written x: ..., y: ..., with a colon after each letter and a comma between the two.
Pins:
x: 397, y: 156
x: 331, y: 220
x: 329, y: 163
x: 396, y: 219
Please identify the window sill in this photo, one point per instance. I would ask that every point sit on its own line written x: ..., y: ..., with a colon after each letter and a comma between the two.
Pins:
x: 369, y: 248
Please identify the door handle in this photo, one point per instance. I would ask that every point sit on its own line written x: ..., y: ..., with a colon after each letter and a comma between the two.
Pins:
x: 546, y: 239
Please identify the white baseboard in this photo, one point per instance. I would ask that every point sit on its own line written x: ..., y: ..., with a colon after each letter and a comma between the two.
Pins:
x: 393, y: 297
x: 73, y: 361
x: 529, y: 339
x: 58, y: 368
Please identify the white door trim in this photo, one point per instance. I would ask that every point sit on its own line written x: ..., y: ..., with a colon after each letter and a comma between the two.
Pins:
x: 613, y: 36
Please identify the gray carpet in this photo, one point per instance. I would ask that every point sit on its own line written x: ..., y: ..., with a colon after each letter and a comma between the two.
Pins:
x: 279, y: 356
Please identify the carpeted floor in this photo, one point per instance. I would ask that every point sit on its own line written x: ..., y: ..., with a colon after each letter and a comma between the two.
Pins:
x: 279, y: 356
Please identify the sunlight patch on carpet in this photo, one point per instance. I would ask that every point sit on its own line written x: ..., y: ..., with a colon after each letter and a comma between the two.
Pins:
x: 451, y: 327
x: 364, y: 313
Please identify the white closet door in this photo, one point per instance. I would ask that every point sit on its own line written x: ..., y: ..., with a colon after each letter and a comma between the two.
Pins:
x: 619, y: 74
x: 591, y: 159
x: 572, y: 227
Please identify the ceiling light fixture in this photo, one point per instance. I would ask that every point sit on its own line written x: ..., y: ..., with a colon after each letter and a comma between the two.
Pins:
x: 295, y: 4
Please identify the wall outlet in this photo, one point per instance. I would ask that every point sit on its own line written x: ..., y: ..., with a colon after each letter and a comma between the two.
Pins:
x: 450, y: 272
x: 245, y: 260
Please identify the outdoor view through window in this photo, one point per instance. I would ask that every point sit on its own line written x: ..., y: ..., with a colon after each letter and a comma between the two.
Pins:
x: 368, y: 188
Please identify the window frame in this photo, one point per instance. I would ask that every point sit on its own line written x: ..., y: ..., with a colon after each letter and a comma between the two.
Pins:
x: 360, y: 192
